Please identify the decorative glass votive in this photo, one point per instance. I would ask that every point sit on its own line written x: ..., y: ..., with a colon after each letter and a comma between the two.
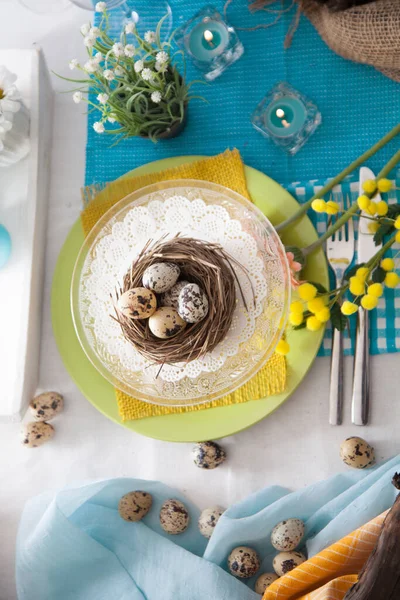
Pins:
x: 286, y: 117
x: 211, y: 43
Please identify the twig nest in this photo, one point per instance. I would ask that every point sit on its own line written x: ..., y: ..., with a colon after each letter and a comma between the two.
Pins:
x: 208, y: 520
x: 264, y: 581
x: 171, y: 298
x: 135, y: 505
x: 192, y: 303
x: 36, y: 434
x: 174, y: 517
x: 46, y: 406
x: 160, y: 277
x: 287, y: 561
x: 166, y: 323
x: 357, y: 453
x: 208, y: 455
x: 138, y: 303
x: 287, y: 535
x: 243, y: 562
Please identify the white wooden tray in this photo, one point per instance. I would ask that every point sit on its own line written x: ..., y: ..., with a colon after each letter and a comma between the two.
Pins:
x: 23, y: 211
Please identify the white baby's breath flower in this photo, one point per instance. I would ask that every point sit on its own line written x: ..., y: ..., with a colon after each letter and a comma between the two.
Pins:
x: 85, y: 28
x: 98, y: 127
x: 98, y: 57
x: 129, y: 50
x: 119, y: 71
x: 162, y: 57
x: 95, y: 32
x: 111, y: 118
x: 130, y: 28
x: 138, y: 66
x: 73, y: 64
x: 109, y: 74
x: 150, y: 37
x: 89, y: 41
x: 118, y: 49
x: 77, y: 97
x: 147, y: 74
x: 91, y: 66
x: 156, y: 97
x: 161, y: 67
x: 103, y: 98
x: 101, y: 7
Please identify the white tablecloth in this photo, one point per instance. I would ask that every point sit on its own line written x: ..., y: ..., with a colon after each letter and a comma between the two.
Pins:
x: 293, y: 447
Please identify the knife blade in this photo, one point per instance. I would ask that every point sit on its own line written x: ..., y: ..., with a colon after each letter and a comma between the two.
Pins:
x: 366, y: 249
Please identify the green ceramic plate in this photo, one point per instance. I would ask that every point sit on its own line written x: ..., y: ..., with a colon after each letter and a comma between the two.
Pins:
x: 277, y: 204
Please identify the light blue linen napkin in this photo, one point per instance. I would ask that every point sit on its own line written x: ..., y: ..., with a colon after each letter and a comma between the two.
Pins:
x: 75, y: 546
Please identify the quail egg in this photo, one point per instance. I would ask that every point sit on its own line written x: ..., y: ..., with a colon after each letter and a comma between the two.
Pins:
x: 243, y: 562
x: 171, y: 297
x: 287, y: 535
x: 137, y: 303
x: 208, y: 520
x: 264, y: 581
x: 357, y: 453
x: 46, y: 406
x: 208, y: 455
x: 287, y: 561
x: 174, y: 517
x: 166, y: 323
x: 192, y: 303
x: 36, y: 434
x: 160, y: 277
x: 135, y: 505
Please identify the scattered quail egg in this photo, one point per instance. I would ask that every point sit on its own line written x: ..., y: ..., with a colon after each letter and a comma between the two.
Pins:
x: 160, y: 277
x: 171, y: 297
x: 46, y: 406
x: 208, y: 455
x: 135, y: 505
x: 287, y: 535
x: 264, y: 581
x: 137, y: 303
x: 166, y: 323
x: 243, y: 562
x: 357, y: 453
x: 287, y: 561
x: 192, y: 303
x: 208, y: 520
x: 35, y: 434
x: 174, y: 517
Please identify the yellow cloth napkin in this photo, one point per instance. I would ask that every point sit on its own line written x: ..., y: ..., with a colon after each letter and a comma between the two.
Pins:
x: 332, y: 572
x: 225, y: 169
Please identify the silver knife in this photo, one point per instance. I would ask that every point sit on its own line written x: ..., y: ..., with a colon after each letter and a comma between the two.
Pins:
x: 366, y: 248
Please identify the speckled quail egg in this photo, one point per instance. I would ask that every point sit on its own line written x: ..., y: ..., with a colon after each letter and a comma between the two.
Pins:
x: 174, y: 517
x: 208, y: 455
x: 36, y: 433
x: 171, y: 297
x: 243, y: 562
x: 166, y: 323
x: 287, y: 561
x: 137, y: 303
x: 192, y: 303
x: 287, y: 535
x: 46, y: 406
x: 264, y: 581
x: 135, y: 505
x: 160, y: 277
x: 208, y: 520
x: 357, y: 453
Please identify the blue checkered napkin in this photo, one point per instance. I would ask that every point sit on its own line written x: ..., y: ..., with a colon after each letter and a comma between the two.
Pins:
x: 385, y: 320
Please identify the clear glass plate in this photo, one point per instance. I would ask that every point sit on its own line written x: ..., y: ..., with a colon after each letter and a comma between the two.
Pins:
x: 253, y: 353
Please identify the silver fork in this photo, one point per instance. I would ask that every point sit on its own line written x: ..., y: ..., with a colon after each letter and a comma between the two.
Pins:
x: 340, y: 252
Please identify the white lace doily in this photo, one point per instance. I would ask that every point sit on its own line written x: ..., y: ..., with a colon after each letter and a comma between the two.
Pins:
x: 116, y: 251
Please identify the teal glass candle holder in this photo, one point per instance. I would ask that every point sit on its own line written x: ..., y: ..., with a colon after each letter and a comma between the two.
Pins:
x: 210, y: 42
x: 287, y: 117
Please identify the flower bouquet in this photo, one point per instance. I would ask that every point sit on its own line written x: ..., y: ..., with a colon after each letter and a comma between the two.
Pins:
x: 135, y: 82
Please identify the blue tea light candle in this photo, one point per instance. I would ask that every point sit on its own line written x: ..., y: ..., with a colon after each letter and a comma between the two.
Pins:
x: 208, y: 39
x: 286, y: 117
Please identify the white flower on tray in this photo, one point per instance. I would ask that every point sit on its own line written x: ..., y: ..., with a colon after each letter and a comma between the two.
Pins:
x: 118, y: 49
x: 103, y: 98
x: 130, y: 27
x: 109, y: 74
x: 147, y: 74
x: 129, y: 50
x: 101, y: 7
x: 156, y: 97
x: 162, y: 57
x: 150, y: 37
x: 77, y: 97
x: 73, y: 64
x: 98, y: 127
x: 138, y: 66
x: 9, y: 95
x: 14, y: 121
x: 85, y: 28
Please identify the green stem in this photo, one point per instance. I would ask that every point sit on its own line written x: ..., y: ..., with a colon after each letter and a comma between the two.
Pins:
x: 376, y: 258
x: 347, y: 171
x: 329, y: 232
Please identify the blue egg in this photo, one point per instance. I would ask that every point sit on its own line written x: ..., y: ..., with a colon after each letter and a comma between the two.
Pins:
x: 5, y: 246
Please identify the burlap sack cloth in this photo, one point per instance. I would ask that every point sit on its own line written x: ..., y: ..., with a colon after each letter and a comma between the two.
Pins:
x: 368, y: 34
